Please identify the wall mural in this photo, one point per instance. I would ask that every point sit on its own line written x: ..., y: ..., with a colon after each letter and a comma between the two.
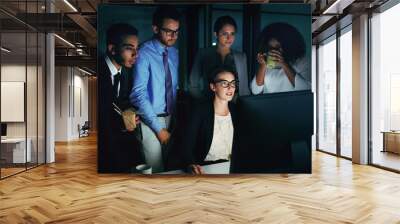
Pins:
x: 204, y: 89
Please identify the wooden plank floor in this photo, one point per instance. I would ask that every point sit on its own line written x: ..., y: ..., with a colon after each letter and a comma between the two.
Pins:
x: 71, y: 191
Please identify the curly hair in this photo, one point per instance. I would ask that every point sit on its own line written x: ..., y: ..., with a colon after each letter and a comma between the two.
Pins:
x: 292, y: 42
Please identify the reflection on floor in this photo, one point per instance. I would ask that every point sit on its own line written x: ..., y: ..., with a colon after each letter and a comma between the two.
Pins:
x: 386, y: 159
x: 10, y: 169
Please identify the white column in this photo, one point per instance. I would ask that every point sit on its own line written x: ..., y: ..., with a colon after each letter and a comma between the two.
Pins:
x: 360, y: 90
x: 50, y: 92
x: 314, y: 90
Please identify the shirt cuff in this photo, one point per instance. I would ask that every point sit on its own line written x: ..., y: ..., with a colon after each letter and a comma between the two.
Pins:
x: 256, y: 89
x: 156, y: 126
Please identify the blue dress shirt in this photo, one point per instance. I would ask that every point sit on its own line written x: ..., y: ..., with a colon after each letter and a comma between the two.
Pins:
x: 148, y: 91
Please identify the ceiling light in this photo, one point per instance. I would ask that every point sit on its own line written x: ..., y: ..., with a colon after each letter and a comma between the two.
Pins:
x: 5, y: 50
x: 70, y: 5
x: 326, y: 11
x: 65, y: 41
x: 84, y: 71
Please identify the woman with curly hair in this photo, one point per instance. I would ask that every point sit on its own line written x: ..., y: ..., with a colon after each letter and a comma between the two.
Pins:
x: 282, y: 63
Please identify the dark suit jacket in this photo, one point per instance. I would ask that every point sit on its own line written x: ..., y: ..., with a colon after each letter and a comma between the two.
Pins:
x: 118, y: 151
x: 199, y: 132
x: 198, y: 80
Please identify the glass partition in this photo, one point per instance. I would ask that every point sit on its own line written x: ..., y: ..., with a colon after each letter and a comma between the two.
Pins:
x: 14, y: 153
x: 22, y: 79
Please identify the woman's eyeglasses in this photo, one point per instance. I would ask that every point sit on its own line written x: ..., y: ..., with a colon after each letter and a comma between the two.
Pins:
x: 225, y: 83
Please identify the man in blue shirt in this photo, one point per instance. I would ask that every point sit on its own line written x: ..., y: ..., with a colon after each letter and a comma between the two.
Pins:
x: 155, y: 84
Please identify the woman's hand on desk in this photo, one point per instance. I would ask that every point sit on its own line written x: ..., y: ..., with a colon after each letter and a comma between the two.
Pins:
x: 195, y: 169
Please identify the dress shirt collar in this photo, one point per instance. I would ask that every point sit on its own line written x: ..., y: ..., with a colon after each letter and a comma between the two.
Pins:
x: 112, y: 67
x: 160, y: 48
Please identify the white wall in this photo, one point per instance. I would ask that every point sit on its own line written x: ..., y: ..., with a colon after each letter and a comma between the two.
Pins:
x: 61, y: 103
x: 9, y: 73
x: 80, y: 111
x: 33, y: 127
x: 16, y: 73
x: 71, y: 102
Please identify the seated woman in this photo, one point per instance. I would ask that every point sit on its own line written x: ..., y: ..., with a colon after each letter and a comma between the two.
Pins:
x: 207, y: 59
x: 209, y: 135
x: 282, y: 63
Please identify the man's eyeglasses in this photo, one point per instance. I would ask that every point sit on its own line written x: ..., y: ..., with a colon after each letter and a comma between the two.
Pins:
x: 170, y: 32
x: 225, y: 83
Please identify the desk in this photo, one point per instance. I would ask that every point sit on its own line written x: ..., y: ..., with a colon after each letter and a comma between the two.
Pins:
x: 13, y: 150
x: 218, y: 168
x: 391, y: 141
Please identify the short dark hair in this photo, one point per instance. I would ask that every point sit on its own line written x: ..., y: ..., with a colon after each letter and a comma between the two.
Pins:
x: 116, y: 33
x: 292, y: 42
x: 222, y: 21
x: 213, y: 76
x: 165, y: 12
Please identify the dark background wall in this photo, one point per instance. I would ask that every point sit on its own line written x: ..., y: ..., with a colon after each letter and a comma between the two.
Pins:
x: 197, y: 26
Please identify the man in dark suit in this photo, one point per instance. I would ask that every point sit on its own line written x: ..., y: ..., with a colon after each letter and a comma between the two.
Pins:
x: 119, y: 149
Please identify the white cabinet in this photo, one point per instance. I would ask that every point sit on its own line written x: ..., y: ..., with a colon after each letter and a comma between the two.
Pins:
x: 15, y: 148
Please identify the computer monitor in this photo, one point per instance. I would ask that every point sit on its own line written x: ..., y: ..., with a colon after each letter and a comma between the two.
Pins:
x: 3, y: 129
x: 273, y: 133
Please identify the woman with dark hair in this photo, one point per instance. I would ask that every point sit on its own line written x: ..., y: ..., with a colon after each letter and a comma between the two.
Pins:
x: 282, y: 63
x: 220, y: 55
x: 210, y: 130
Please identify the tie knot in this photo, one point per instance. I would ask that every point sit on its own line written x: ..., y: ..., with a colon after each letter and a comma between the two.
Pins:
x: 165, y: 53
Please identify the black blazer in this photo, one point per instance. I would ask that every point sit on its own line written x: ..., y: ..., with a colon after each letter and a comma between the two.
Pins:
x: 118, y: 151
x: 105, y: 93
x: 198, y: 85
x: 198, y: 134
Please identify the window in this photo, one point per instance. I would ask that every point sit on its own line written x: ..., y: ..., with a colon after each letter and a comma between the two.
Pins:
x: 385, y: 87
x: 327, y: 95
x: 346, y: 92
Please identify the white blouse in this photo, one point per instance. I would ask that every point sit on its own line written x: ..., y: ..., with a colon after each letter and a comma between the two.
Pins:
x: 221, y: 145
x: 276, y: 80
